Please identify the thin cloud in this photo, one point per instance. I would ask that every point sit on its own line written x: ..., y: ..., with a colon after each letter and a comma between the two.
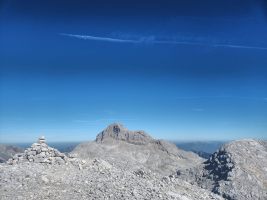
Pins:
x: 103, y: 120
x: 153, y: 40
x: 240, y: 46
x: 222, y: 97
x: 198, y: 109
x: 81, y: 121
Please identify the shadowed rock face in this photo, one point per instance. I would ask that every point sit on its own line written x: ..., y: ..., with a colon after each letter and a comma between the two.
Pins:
x: 219, y: 165
x: 133, y: 149
x: 238, y: 170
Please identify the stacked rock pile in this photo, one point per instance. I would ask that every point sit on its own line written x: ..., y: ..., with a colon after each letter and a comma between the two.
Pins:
x: 40, y: 152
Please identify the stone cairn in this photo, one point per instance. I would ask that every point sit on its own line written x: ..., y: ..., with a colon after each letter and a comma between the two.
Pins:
x: 39, y: 152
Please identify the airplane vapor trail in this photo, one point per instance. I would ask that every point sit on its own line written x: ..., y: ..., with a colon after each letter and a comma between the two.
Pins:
x: 152, y: 40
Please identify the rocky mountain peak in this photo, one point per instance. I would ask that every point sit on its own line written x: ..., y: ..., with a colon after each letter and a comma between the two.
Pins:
x: 116, y: 128
x: 117, y: 131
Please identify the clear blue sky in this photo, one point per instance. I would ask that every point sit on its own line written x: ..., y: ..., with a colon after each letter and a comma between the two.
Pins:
x: 190, y: 70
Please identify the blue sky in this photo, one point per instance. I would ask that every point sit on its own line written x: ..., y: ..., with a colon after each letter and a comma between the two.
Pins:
x: 188, y: 70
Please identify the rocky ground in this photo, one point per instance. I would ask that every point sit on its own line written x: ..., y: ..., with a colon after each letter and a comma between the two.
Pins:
x: 35, y: 177
x: 123, y: 164
x: 7, y: 151
x: 238, y: 170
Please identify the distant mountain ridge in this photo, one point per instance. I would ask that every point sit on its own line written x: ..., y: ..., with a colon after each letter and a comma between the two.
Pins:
x: 203, y: 148
x: 200, y: 146
x: 65, y: 147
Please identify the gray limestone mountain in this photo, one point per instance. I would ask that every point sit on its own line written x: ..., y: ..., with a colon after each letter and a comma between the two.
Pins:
x: 117, y: 131
x: 132, y: 149
x: 7, y: 151
x: 237, y: 171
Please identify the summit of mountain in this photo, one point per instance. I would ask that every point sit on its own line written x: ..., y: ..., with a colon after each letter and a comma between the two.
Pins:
x: 132, y: 149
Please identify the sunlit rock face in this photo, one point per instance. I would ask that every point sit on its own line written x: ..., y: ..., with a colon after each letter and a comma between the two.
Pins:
x: 117, y: 131
x: 132, y: 149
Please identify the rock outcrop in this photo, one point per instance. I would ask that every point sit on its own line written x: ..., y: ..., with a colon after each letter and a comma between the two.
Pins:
x: 7, y: 151
x: 132, y: 149
x: 237, y: 171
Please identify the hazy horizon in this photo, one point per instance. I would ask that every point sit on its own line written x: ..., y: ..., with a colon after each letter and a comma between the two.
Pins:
x: 184, y: 70
x: 91, y: 136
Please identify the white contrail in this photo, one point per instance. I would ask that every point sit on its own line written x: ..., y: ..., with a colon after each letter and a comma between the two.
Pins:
x: 154, y: 41
x: 107, y: 39
x: 239, y: 46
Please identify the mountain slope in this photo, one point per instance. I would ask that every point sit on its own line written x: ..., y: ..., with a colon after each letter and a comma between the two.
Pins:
x: 133, y: 149
x: 238, y: 170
